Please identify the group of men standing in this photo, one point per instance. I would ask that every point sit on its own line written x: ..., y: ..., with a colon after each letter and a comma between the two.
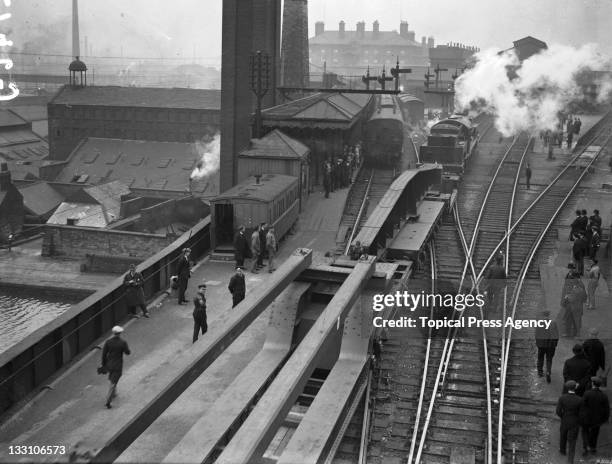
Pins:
x: 586, y: 235
x: 337, y: 172
x: 262, y: 244
x: 572, y: 129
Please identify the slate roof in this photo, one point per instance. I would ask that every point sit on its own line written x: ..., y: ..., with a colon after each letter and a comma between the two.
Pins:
x: 10, y: 118
x: 382, y: 38
x: 320, y: 110
x: 144, y: 97
x: 268, y: 188
x: 40, y: 198
x: 138, y: 164
x: 95, y: 206
x: 276, y: 144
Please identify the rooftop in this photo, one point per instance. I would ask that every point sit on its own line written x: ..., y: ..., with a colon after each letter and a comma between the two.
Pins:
x: 144, y: 97
x: 381, y: 38
x: 138, y: 164
x: 9, y: 118
x: 276, y: 144
x: 40, y: 198
x: 269, y: 186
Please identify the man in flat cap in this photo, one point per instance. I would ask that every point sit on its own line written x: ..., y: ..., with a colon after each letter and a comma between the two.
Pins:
x: 183, y: 271
x: 112, y: 361
x: 568, y: 408
x: 199, y: 312
x: 594, y: 412
x: 237, y: 287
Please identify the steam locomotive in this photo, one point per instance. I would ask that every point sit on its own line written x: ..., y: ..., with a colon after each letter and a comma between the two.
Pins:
x: 384, y: 133
x: 450, y: 143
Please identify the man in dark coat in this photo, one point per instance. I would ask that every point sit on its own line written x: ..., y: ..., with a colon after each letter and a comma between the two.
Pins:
x: 183, y: 271
x: 546, y: 342
x: 595, y: 219
x: 576, y: 227
x: 134, y: 293
x: 496, y: 282
x: 580, y: 250
x: 241, y: 247
x: 595, y: 352
x: 594, y: 412
x: 573, y: 304
x: 237, y: 287
x: 578, y: 369
x: 568, y: 409
x: 528, y: 175
x: 199, y: 313
x: 112, y: 361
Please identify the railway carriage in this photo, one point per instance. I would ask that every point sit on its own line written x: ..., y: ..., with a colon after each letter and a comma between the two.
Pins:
x: 270, y: 198
x: 450, y: 143
x: 384, y: 134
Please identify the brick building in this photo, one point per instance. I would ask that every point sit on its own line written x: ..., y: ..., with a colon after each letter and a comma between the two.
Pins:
x: 352, y: 52
x: 137, y: 113
x: 11, y: 205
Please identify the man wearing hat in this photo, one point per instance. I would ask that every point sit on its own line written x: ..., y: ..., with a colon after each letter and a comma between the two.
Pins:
x: 546, y: 342
x: 237, y: 287
x: 199, y: 312
x: 134, y: 293
x: 578, y: 369
x: 183, y: 271
x: 112, y: 361
x: 568, y: 408
x: 595, y: 351
x: 594, y: 411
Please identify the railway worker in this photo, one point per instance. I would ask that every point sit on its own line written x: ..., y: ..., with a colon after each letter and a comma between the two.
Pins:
x: 594, y: 412
x: 272, y: 247
x: 595, y: 352
x: 496, y: 282
x: 580, y: 249
x: 241, y: 247
x: 594, y: 243
x: 199, y: 312
x: 595, y: 220
x: 546, y: 342
x: 255, y: 249
x: 134, y: 293
x: 593, y: 275
x: 183, y: 272
x: 528, y: 175
x: 578, y: 369
x: 112, y: 361
x: 568, y: 409
x: 237, y: 287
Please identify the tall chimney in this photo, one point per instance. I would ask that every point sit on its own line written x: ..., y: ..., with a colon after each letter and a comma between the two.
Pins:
x: 341, y: 28
x: 319, y: 27
x: 5, y: 177
x: 430, y: 42
x: 404, y: 28
x: 75, y: 29
x: 361, y: 30
x: 375, y: 28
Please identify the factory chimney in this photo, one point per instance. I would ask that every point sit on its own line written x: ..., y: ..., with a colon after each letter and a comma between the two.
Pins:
x: 75, y: 29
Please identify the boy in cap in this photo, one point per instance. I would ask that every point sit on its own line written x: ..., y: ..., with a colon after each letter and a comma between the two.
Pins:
x: 199, y: 312
x: 568, y: 408
x: 594, y: 411
x: 112, y: 361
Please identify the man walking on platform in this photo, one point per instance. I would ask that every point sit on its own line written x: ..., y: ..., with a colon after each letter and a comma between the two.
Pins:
x: 237, y: 287
x: 593, y: 275
x: 594, y: 412
x: 199, y: 313
x: 272, y: 247
x: 568, y: 409
x: 595, y: 352
x: 546, y: 342
x: 578, y: 369
x: 579, y: 251
x: 112, y: 361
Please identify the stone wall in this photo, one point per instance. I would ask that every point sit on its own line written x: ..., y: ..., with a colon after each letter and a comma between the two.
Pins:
x: 78, y: 242
x: 108, y: 264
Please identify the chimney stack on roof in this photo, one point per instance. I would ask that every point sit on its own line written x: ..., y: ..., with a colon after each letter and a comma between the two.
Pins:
x: 319, y: 27
x: 375, y: 28
x: 430, y: 42
x: 361, y: 29
x: 404, y: 29
x: 412, y: 36
x: 424, y: 41
x: 341, y: 28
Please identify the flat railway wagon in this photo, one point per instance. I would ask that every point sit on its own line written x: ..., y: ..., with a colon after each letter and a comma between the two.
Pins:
x: 384, y: 134
x: 270, y: 198
x: 450, y: 143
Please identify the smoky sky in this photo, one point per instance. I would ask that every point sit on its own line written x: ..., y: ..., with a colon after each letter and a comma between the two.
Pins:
x: 187, y: 28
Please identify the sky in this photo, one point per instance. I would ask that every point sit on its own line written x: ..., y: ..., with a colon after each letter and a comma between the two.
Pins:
x: 184, y: 28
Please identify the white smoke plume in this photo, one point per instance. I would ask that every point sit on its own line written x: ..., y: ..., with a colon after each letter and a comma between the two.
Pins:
x: 209, y: 151
x: 544, y: 85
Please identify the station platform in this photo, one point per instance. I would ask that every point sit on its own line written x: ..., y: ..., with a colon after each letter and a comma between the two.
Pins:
x: 72, y: 411
x: 589, y: 196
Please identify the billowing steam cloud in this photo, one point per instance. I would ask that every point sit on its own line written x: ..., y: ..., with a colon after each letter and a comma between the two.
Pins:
x: 542, y: 86
x: 209, y: 152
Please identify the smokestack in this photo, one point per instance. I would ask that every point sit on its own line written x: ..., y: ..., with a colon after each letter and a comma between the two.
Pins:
x: 75, y: 29
x: 375, y: 28
x: 424, y: 41
x: 430, y: 42
x: 319, y: 27
x: 361, y: 29
x: 341, y: 29
x: 404, y: 28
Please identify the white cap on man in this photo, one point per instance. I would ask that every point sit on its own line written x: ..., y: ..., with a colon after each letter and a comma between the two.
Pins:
x: 117, y: 329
